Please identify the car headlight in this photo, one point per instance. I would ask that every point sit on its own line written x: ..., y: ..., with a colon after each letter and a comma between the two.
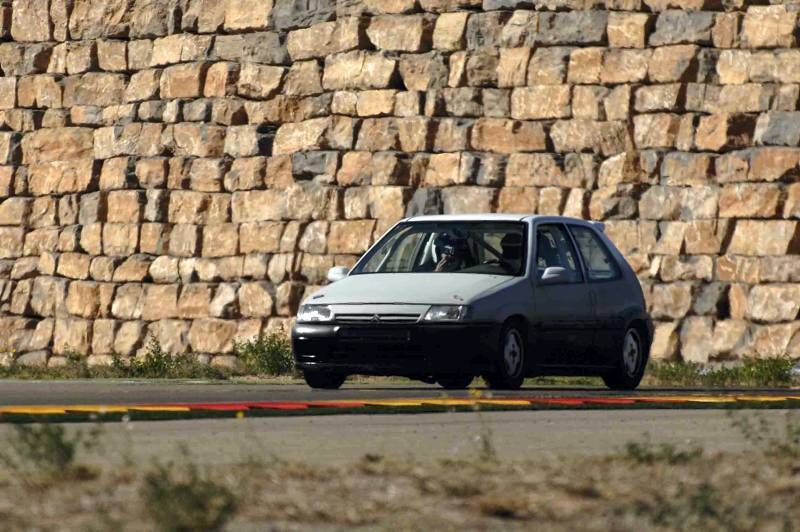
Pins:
x: 311, y: 313
x: 446, y: 313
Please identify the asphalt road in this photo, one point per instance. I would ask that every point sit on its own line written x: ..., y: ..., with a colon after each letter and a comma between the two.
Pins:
x: 111, y: 392
x: 347, y: 438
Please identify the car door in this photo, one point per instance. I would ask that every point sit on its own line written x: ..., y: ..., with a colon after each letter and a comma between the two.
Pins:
x: 563, y: 308
x: 607, y: 289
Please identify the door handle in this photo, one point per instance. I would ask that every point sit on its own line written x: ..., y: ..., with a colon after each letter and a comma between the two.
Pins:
x: 593, y: 300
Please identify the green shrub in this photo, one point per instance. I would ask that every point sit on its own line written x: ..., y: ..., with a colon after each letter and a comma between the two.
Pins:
x: 182, y: 499
x: 268, y: 354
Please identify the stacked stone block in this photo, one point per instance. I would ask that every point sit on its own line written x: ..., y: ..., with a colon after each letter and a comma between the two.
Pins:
x: 190, y: 169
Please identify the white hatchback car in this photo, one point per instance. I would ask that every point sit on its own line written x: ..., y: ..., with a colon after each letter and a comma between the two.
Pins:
x: 446, y: 298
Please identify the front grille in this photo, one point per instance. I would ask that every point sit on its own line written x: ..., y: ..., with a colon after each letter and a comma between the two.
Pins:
x: 376, y: 352
x: 387, y: 319
x: 379, y: 334
x: 375, y: 344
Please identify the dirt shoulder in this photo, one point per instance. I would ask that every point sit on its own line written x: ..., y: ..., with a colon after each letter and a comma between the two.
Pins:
x: 642, y: 482
x: 720, y: 491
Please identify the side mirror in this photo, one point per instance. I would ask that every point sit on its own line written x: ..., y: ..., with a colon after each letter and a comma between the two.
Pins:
x: 337, y: 273
x: 555, y: 275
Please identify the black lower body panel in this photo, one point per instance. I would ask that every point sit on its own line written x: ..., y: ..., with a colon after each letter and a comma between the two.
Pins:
x: 403, y: 350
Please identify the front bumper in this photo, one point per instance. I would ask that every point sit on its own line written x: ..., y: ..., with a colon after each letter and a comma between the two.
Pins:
x: 416, y: 350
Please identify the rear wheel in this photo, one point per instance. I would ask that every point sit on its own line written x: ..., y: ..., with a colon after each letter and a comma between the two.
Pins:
x: 510, y: 359
x: 324, y: 380
x: 631, y: 362
x: 454, y: 382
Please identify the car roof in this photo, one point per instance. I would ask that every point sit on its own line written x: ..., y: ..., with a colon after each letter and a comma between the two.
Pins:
x: 499, y: 217
x: 493, y: 217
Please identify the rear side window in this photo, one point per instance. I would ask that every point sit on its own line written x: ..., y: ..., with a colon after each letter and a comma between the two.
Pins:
x: 600, y: 265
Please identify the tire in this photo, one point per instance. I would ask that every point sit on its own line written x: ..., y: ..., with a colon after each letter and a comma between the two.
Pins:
x: 510, y: 359
x: 323, y: 380
x: 631, y: 361
x: 455, y: 382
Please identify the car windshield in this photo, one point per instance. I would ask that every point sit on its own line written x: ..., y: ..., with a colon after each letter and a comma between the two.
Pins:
x: 496, y: 248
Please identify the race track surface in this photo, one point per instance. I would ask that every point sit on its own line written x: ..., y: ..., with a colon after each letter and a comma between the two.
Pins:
x: 344, y: 439
x: 24, y: 401
x: 114, y: 392
x: 229, y: 423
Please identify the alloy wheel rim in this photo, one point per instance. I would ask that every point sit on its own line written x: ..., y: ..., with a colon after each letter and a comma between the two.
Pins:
x: 631, y: 352
x: 512, y: 353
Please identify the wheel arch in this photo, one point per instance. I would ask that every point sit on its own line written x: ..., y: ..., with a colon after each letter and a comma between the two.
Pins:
x: 641, y: 326
x: 523, y: 322
x: 518, y: 318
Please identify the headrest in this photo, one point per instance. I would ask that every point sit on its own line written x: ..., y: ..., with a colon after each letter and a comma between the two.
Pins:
x: 511, y: 240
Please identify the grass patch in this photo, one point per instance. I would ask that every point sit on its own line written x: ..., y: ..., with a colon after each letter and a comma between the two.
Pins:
x: 562, y: 382
x: 159, y: 364
x: 266, y: 355
x: 72, y: 370
x: 156, y: 363
x: 750, y: 372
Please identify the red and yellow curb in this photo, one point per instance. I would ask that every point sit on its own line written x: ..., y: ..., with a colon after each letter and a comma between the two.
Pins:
x: 402, y: 405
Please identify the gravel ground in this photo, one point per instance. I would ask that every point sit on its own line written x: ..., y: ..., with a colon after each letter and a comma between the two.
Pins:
x: 641, y: 485
x: 721, y: 491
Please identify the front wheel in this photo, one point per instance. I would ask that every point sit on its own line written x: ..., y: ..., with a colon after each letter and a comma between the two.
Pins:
x: 631, y: 362
x: 323, y: 380
x: 510, y: 359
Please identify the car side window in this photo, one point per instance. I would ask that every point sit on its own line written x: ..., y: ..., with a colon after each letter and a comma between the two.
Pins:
x: 554, y: 249
x: 600, y: 265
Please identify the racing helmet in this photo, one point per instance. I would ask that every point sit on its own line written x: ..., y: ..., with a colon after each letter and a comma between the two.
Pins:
x: 446, y: 244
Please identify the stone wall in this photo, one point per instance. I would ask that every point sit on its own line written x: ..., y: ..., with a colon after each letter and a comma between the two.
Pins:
x: 189, y: 169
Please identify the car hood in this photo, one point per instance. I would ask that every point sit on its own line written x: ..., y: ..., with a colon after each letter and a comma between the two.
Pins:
x: 409, y: 288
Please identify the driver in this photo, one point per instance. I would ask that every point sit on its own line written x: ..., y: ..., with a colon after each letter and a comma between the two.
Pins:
x: 451, y: 252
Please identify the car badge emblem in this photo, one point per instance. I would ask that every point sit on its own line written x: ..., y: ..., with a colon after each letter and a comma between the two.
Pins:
x: 376, y: 318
